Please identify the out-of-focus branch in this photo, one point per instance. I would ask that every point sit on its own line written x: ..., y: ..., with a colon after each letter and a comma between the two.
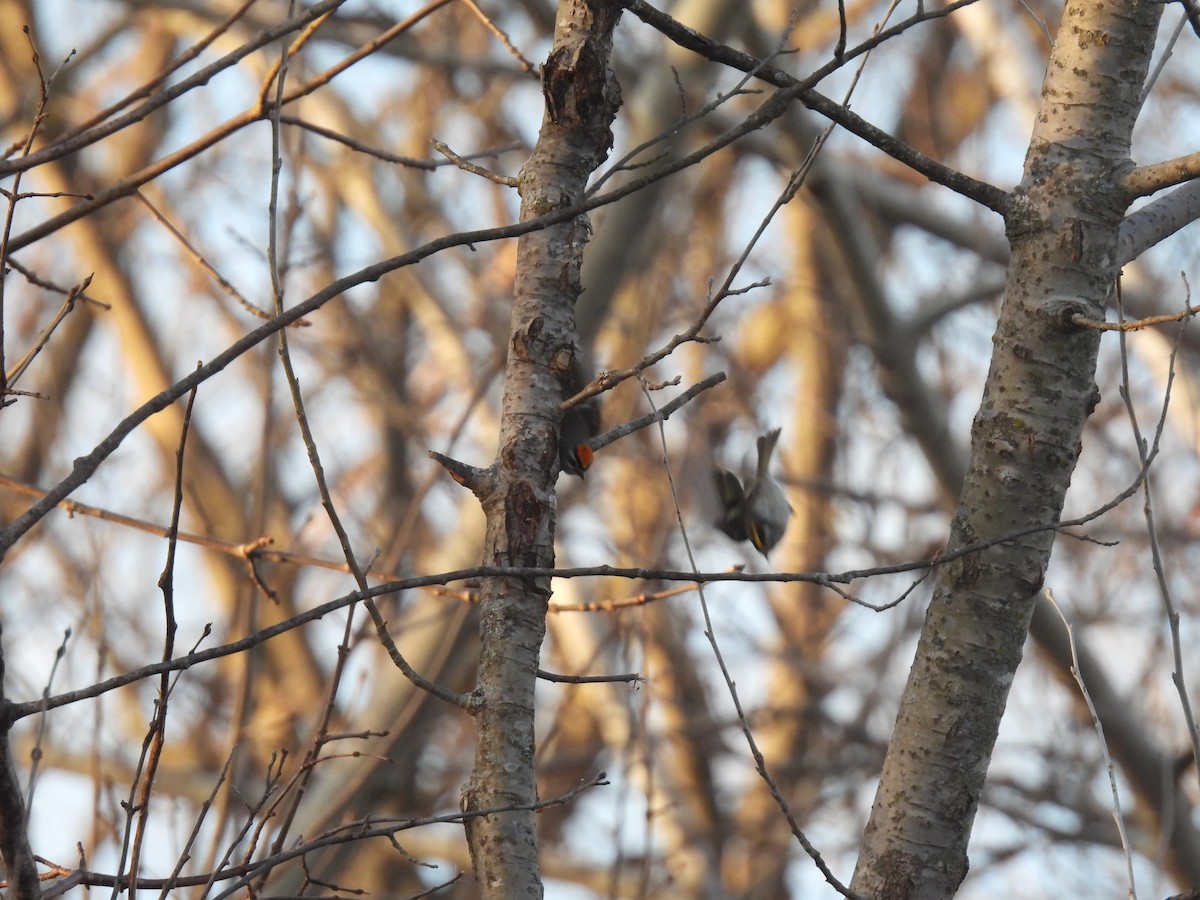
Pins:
x: 349, y: 832
x: 260, y: 112
x: 825, y: 579
x: 77, y: 142
x: 990, y: 196
x: 1158, y: 220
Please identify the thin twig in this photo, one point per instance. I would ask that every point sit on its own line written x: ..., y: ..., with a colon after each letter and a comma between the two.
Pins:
x: 359, y: 146
x: 625, y: 163
x: 15, y: 711
x: 616, y: 603
x: 1160, y: 575
x: 35, y: 756
x: 44, y: 338
x: 15, y: 849
x: 760, y: 763
x: 790, y: 88
x: 1165, y: 55
x: 38, y: 281
x: 1124, y: 326
x: 503, y: 180
x: 587, y: 679
x: 1118, y: 816
x: 500, y: 34
x: 428, y: 165
x: 839, y: 49
x: 199, y: 259
x: 87, y: 464
x: 14, y: 195
x: 255, y: 114
x: 344, y: 833
x: 185, y: 852
x: 148, y: 88
x: 1039, y: 22
x: 273, y: 260
x: 74, y: 142
x: 241, y: 837
x: 156, y: 737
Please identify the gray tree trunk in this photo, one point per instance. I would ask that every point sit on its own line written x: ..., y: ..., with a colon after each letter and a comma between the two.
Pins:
x: 582, y: 99
x: 1063, y: 224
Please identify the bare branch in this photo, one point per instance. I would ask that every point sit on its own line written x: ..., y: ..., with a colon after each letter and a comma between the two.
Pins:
x: 1146, y: 180
x: 991, y: 197
x: 503, y: 180
x: 74, y: 143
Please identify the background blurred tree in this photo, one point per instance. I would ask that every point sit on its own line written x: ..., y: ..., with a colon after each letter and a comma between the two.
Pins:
x: 153, y: 175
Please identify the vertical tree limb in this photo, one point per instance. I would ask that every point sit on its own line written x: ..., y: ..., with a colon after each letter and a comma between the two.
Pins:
x: 1063, y: 225
x: 582, y: 99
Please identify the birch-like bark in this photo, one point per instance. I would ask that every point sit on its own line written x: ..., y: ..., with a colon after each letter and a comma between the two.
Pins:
x: 582, y: 98
x: 1063, y: 225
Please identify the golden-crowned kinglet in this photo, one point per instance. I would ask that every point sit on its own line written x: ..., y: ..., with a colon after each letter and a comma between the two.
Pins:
x: 579, y: 425
x: 760, y: 511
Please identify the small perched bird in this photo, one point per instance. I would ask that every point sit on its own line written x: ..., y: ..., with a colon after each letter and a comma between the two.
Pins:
x: 759, y: 511
x: 579, y: 425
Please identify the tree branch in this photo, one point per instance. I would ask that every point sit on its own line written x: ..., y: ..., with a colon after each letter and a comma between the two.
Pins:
x: 992, y: 197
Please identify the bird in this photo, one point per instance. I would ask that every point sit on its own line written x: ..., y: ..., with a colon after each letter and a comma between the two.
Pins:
x: 579, y: 425
x: 759, y: 510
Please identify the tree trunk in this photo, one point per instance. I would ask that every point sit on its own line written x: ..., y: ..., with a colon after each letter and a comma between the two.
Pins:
x: 1062, y: 225
x: 582, y: 99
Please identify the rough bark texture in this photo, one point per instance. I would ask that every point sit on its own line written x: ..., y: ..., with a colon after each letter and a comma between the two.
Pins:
x: 1063, y: 227
x: 582, y: 99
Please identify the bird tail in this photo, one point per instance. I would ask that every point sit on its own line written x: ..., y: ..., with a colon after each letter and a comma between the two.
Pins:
x: 766, y: 446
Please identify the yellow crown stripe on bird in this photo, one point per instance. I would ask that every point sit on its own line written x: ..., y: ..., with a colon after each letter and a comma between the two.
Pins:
x: 759, y: 511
